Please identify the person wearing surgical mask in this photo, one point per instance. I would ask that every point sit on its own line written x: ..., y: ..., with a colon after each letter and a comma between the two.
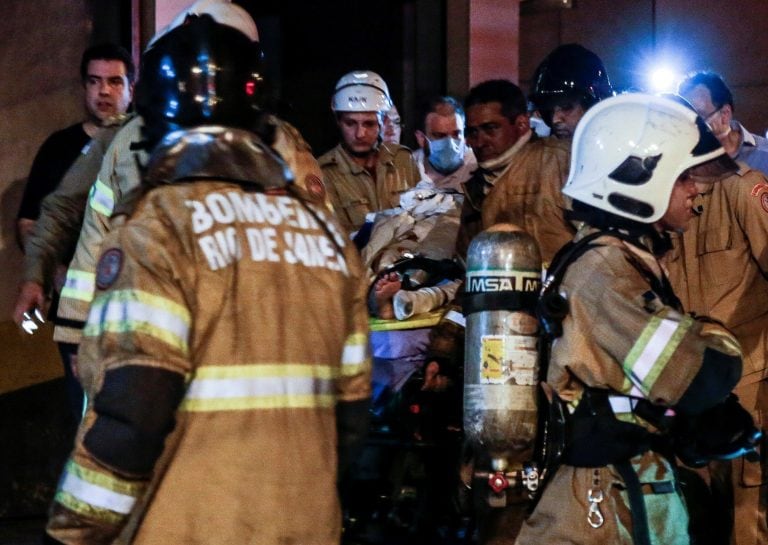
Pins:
x: 443, y: 155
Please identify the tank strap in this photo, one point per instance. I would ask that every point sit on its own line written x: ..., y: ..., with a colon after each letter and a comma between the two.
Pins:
x: 510, y: 300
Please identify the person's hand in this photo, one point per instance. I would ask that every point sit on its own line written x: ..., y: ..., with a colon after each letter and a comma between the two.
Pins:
x: 73, y: 365
x: 433, y: 380
x: 31, y: 296
x: 60, y: 277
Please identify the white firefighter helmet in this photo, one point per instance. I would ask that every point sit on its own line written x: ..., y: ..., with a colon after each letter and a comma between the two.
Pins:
x: 629, y: 150
x: 361, y: 91
x: 223, y: 12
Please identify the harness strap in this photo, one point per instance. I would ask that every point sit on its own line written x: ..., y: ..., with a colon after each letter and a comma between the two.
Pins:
x: 640, y: 532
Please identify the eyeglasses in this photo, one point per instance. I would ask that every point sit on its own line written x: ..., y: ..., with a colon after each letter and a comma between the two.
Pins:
x: 706, y: 118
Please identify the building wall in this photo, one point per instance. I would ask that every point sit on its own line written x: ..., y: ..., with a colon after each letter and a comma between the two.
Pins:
x: 633, y: 36
x: 41, y: 92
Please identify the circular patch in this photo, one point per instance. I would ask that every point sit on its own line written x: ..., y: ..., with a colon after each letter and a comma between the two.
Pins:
x: 764, y: 201
x: 315, y: 186
x: 109, y: 267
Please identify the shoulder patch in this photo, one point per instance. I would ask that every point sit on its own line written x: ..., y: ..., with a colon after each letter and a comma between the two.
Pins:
x: 315, y: 186
x: 109, y: 267
x: 761, y: 192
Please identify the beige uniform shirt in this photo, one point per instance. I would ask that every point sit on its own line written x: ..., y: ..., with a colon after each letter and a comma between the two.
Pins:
x: 354, y: 192
x: 719, y: 266
x: 262, y: 312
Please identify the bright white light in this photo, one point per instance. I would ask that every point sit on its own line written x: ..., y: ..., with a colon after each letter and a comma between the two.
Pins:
x: 663, y: 80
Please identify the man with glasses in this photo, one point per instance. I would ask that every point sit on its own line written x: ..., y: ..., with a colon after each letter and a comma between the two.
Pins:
x: 713, y: 101
x: 520, y: 175
x: 719, y: 268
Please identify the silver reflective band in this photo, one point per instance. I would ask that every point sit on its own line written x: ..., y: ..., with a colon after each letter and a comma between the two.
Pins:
x: 96, y: 495
x: 30, y: 321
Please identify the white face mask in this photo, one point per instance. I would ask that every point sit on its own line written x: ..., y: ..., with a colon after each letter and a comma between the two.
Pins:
x: 446, y: 155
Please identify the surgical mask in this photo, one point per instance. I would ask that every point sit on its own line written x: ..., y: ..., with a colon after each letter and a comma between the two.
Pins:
x: 446, y: 154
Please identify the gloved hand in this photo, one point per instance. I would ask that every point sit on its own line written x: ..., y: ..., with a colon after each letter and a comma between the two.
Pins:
x: 723, y: 432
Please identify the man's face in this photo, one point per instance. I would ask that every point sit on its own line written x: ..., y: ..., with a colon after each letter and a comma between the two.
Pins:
x: 489, y: 133
x: 439, y: 126
x: 680, y: 209
x: 565, y: 116
x: 718, y: 119
x: 359, y: 130
x: 107, y: 89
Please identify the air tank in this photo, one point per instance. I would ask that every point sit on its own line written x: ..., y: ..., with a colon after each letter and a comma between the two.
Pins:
x: 503, y: 281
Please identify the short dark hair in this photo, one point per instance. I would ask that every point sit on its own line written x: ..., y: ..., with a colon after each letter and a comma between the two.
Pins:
x: 107, y: 52
x: 435, y: 103
x: 714, y: 82
x: 509, y: 95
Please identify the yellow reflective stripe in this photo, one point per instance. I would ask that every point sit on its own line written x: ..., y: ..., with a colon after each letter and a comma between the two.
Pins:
x: 352, y: 370
x: 97, y: 494
x: 79, y: 285
x: 87, y: 510
x: 137, y: 311
x: 265, y: 370
x: 653, y: 350
x: 355, y: 357
x: 266, y: 402
x: 102, y: 198
x: 426, y: 319
x: 355, y: 349
x: 269, y: 386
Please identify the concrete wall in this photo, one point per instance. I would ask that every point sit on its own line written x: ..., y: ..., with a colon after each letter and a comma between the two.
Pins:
x: 632, y: 36
x: 40, y: 46
x: 41, y: 92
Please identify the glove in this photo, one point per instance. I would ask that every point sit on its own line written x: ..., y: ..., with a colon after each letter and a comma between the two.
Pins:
x: 722, y: 432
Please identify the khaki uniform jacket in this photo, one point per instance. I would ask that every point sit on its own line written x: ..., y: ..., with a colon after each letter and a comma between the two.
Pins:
x: 262, y: 312
x: 619, y: 336
x: 54, y: 237
x: 354, y: 192
x: 528, y: 194
x: 117, y: 179
x: 719, y: 266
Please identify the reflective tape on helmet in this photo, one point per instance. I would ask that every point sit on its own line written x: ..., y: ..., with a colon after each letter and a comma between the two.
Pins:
x: 79, y: 285
x: 98, y: 495
x: 653, y: 349
x: 136, y: 311
x: 102, y: 198
x: 262, y: 386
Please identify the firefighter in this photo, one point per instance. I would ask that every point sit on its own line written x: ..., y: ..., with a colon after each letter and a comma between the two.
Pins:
x: 362, y: 173
x: 221, y: 401
x: 120, y: 173
x: 632, y: 378
x: 569, y: 81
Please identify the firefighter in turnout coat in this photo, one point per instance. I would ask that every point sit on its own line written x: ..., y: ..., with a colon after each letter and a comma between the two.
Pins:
x: 635, y: 379
x: 221, y: 400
